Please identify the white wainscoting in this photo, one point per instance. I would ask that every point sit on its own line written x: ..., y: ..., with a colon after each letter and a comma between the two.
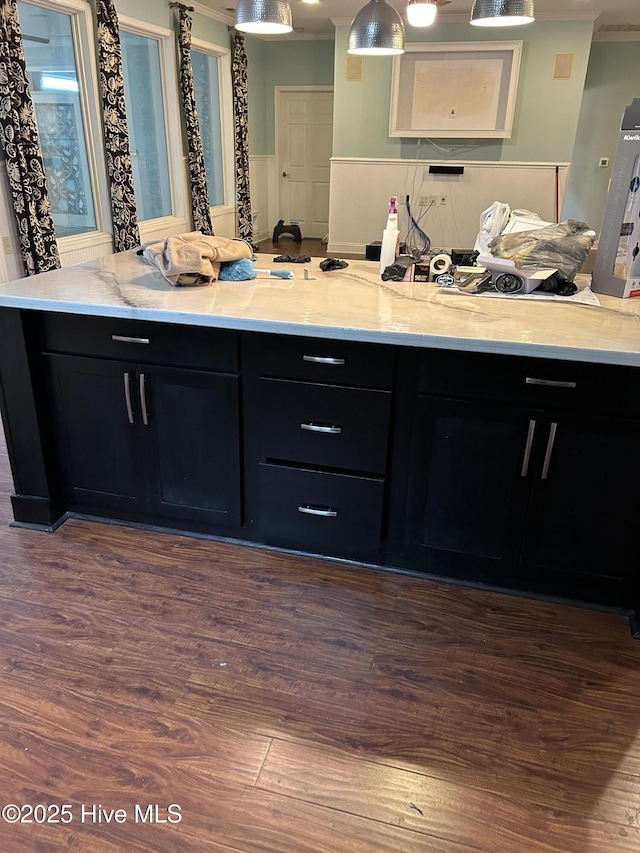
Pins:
x: 360, y: 191
x: 264, y: 195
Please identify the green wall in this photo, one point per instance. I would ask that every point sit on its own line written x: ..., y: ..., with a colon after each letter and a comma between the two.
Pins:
x: 546, y: 110
x: 161, y: 14
x: 281, y: 63
x: 612, y: 82
x: 554, y: 120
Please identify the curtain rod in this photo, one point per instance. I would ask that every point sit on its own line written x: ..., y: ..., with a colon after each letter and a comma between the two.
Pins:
x: 181, y: 6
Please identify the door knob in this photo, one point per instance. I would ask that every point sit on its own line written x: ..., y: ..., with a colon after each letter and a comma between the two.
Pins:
x: 285, y: 174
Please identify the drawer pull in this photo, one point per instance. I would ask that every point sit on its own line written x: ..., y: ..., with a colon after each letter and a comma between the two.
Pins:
x: 527, y: 449
x: 547, y: 455
x: 551, y: 383
x: 316, y: 510
x: 324, y: 359
x: 143, y: 400
x: 127, y: 340
x: 326, y: 428
x: 127, y: 396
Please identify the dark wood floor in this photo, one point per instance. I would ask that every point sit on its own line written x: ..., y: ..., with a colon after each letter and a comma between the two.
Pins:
x: 293, y: 705
x: 308, y: 246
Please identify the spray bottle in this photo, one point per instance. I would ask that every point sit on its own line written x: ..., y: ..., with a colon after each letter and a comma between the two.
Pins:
x: 390, y: 237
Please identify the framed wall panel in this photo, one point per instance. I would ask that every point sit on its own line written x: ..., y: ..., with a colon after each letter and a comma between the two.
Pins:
x: 454, y: 90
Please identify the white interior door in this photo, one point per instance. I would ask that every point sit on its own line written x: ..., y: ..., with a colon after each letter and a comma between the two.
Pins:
x: 305, y: 143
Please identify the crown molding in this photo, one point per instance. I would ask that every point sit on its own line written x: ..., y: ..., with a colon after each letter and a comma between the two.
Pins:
x: 615, y: 36
x: 218, y: 15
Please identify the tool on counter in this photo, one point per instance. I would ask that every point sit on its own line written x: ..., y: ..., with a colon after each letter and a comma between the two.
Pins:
x: 245, y: 270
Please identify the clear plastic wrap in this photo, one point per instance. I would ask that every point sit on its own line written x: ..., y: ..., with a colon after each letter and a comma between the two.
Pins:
x: 564, y: 247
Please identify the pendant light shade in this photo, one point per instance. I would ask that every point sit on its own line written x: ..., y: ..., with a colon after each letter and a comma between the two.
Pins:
x: 421, y: 13
x: 377, y: 30
x: 502, y: 13
x: 265, y: 17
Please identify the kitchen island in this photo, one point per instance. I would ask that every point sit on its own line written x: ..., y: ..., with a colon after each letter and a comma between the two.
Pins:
x: 488, y: 441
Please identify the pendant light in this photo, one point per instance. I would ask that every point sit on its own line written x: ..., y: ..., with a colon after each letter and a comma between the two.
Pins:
x: 421, y: 13
x: 377, y: 30
x: 501, y: 13
x: 264, y: 17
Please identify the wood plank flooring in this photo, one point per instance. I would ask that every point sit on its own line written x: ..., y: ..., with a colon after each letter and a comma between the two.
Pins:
x: 293, y: 705
x: 308, y: 246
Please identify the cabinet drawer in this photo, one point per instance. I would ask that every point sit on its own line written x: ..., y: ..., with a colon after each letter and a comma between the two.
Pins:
x: 318, y: 360
x: 334, y: 514
x: 170, y: 344
x: 535, y: 382
x: 329, y: 425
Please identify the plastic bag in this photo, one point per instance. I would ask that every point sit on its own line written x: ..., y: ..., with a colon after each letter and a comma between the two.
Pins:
x: 564, y: 247
x: 492, y: 221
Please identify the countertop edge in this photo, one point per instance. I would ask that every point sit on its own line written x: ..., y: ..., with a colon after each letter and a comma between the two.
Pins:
x: 345, y: 333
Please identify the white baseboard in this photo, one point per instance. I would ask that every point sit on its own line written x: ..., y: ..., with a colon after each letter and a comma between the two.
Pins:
x: 346, y: 248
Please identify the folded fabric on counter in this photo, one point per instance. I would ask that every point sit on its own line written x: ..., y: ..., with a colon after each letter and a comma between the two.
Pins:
x: 193, y: 258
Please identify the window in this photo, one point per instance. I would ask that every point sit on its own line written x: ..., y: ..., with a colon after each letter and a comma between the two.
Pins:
x: 146, y: 124
x: 56, y: 89
x: 214, y: 113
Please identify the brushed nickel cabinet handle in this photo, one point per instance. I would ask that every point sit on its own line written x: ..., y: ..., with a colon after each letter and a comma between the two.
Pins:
x: 323, y: 359
x: 527, y: 449
x: 127, y: 396
x: 143, y: 400
x: 547, y: 455
x: 551, y: 383
x: 127, y: 340
x: 327, y: 428
x: 312, y: 510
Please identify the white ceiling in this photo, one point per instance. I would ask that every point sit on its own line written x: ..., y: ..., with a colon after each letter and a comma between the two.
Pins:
x: 315, y: 19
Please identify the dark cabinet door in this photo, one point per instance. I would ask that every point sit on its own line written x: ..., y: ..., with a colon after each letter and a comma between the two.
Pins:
x: 147, y: 442
x: 581, y: 529
x: 192, y: 421
x: 468, y: 490
x: 538, y: 501
x: 95, y: 414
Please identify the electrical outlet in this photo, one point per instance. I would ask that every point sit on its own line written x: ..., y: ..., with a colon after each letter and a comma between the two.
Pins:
x: 442, y: 199
x: 7, y: 245
x: 428, y: 200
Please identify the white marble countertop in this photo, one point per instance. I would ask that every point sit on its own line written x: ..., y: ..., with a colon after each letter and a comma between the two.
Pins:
x: 350, y: 304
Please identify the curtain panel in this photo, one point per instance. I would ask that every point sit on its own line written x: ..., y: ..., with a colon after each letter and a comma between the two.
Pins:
x: 21, y: 143
x: 126, y: 234
x: 199, y: 193
x: 241, y: 135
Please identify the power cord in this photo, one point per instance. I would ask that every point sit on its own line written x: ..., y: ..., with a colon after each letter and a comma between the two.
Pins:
x: 417, y: 241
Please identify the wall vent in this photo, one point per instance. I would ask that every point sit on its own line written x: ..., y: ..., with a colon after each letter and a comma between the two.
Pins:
x: 619, y: 28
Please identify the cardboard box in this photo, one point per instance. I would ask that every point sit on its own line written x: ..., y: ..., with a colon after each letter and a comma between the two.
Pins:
x: 616, y: 270
x: 421, y: 271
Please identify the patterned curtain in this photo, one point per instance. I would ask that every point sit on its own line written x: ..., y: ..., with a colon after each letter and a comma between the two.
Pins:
x: 240, y: 118
x: 21, y: 144
x: 126, y: 234
x: 199, y: 192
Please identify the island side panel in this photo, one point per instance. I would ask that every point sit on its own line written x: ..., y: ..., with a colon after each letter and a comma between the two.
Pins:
x: 35, y: 500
